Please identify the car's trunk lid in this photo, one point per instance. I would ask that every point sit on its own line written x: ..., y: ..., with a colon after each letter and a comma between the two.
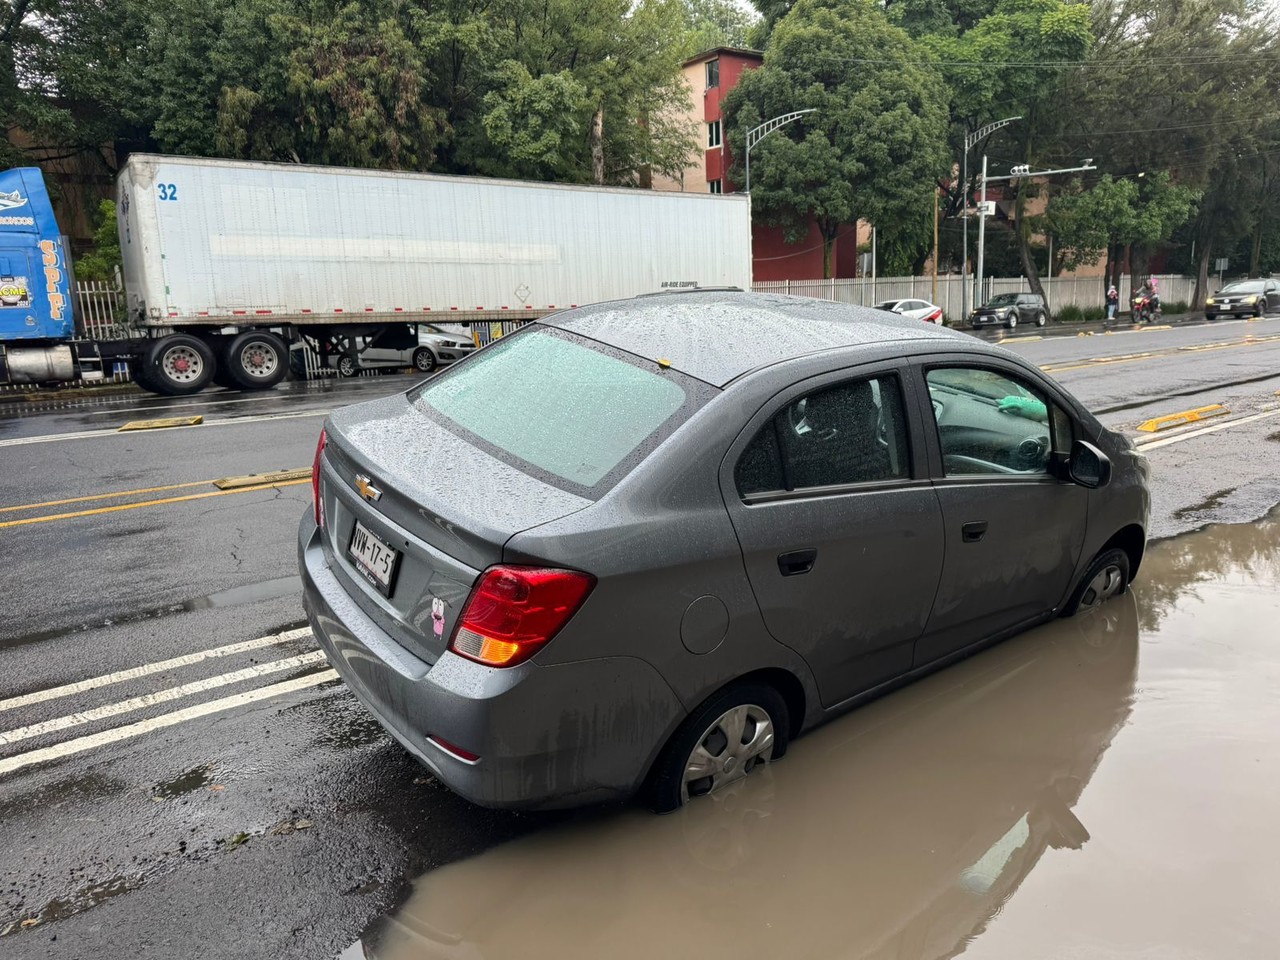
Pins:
x: 443, y: 504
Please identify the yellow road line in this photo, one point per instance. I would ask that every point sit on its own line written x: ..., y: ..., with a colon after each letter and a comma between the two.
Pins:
x: 104, y: 496
x: 148, y: 503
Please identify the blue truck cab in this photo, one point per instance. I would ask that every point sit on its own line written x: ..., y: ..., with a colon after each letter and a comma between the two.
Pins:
x: 35, y: 282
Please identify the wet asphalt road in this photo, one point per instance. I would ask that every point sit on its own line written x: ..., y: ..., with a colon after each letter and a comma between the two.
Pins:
x: 191, y: 803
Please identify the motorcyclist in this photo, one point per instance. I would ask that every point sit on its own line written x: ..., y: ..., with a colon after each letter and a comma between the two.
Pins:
x: 1150, y: 289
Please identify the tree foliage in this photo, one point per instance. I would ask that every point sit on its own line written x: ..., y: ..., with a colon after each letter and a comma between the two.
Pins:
x: 876, y: 143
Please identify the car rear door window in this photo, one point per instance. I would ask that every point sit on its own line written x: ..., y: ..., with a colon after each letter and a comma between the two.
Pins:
x: 992, y: 423
x: 569, y: 410
x: 851, y: 433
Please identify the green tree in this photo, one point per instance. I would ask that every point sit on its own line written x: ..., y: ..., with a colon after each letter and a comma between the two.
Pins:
x: 103, y: 261
x: 877, y: 143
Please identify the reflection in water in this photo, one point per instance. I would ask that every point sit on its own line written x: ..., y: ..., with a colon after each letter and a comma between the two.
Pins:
x: 895, y: 834
x: 903, y: 830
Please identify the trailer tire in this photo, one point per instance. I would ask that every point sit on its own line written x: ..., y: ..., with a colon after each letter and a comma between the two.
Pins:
x: 177, y: 365
x: 256, y: 360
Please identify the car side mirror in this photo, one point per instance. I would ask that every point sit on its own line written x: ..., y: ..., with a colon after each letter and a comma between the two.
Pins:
x: 1088, y: 466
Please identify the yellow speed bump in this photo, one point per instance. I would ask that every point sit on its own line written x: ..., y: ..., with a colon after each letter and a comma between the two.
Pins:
x: 161, y: 424
x: 258, y: 479
x: 1186, y: 416
x: 1159, y: 326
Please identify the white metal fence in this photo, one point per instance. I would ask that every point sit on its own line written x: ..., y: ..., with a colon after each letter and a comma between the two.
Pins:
x: 100, y: 309
x: 1060, y: 291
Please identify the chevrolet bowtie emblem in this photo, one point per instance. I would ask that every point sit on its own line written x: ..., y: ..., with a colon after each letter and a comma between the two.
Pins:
x: 367, y: 489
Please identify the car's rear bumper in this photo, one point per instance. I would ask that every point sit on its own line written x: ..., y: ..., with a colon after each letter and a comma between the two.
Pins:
x: 559, y: 735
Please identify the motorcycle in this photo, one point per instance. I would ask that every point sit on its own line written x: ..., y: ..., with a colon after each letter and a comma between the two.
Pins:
x: 1146, y: 308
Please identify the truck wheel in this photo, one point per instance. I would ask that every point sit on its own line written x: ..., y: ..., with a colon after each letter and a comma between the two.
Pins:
x: 178, y: 364
x: 424, y: 360
x: 256, y: 360
x: 348, y: 366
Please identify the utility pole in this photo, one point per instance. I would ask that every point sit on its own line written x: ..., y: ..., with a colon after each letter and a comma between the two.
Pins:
x: 934, y: 295
x: 970, y: 141
x: 1016, y: 173
x: 982, y: 230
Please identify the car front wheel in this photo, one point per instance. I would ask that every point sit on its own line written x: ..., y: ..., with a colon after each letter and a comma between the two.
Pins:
x: 735, y: 731
x: 1106, y: 577
x: 1012, y: 322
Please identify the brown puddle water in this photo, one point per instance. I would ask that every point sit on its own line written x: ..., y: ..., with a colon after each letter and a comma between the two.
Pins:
x: 1100, y: 787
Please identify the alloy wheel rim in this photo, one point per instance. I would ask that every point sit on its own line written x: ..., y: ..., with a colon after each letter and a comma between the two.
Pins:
x: 1105, y: 584
x: 731, y: 747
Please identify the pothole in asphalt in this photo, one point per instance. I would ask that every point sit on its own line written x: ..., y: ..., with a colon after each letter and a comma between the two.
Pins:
x: 1211, y: 502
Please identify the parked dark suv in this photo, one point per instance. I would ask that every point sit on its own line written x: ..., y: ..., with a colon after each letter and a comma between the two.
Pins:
x: 1010, y: 309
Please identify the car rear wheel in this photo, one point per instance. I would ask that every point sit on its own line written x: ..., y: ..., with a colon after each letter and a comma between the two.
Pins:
x: 735, y: 731
x: 1106, y: 577
x: 1041, y: 319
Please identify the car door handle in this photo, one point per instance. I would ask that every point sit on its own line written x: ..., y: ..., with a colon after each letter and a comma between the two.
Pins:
x: 796, y: 562
x: 973, y: 531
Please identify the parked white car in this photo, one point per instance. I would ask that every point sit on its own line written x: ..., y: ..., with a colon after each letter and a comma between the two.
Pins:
x: 396, y: 347
x: 915, y: 309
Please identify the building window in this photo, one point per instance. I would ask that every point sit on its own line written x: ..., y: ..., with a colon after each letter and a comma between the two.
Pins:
x: 713, y: 133
x: 713, y: 73
x: 717, y: 186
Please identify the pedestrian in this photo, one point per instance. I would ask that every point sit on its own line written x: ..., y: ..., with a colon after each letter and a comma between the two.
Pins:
x: 1113, y: 301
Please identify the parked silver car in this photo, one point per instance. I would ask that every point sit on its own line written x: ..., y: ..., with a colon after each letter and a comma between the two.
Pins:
x: 397, y: 346
x: 642, y: 545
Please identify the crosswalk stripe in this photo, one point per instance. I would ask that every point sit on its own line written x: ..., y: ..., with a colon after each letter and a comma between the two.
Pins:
x: 116, y: 734
x: 158, y: 696
x: 66, y: 690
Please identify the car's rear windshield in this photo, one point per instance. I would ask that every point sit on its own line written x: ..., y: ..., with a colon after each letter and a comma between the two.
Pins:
x: 571, y: 411
x: 1243, y: 286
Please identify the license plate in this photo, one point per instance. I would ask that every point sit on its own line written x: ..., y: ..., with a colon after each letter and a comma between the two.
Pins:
x: 374, y: 558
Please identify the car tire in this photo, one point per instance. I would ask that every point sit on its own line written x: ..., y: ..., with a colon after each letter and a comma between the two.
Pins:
x: 1106, y: 577
x: 348, y: 366
x: 1012, y: 322
x: 1211, y: 316
x: 1041, y: 319
x: 178, y: 365
x: 256, y: 360
x: 1260, y: 311
x: 756, y: 703
x: 424, y: 361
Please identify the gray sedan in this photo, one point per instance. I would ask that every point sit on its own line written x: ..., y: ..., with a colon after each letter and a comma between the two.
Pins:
x: 639, y: 547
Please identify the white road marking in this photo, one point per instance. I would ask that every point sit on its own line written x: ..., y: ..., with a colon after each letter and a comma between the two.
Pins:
x: 1178, y: 438
x: 114, y: 432
x: 158, y: 696
x: 66, y: 690
x: 115, y: 735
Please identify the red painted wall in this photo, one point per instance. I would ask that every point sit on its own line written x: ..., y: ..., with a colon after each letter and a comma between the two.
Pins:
x: 775, y: 259
x: 732, y: 67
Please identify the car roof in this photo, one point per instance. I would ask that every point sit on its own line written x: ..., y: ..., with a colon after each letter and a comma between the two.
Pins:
x: 718, y: 336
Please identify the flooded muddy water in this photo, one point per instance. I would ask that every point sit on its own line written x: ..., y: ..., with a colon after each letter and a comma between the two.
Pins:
x: 1099, y: 787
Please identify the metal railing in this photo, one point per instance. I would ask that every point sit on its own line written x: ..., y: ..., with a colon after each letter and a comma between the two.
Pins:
x: 1059, y: 291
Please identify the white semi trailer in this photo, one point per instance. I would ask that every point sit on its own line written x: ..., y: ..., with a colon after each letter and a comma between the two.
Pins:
x: 238, y: 257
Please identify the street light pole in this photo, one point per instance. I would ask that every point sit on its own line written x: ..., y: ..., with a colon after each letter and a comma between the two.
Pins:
x: 758, y: 133
x: 982, y: 230
x: 971, y: 140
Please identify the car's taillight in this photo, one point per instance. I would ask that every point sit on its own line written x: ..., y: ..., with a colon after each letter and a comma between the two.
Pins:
x: 513, y: 612
x: 935, y: 317
x: 315, y: 479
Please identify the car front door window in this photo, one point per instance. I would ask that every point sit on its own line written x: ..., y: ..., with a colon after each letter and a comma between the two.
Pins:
x: 990, y: 423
